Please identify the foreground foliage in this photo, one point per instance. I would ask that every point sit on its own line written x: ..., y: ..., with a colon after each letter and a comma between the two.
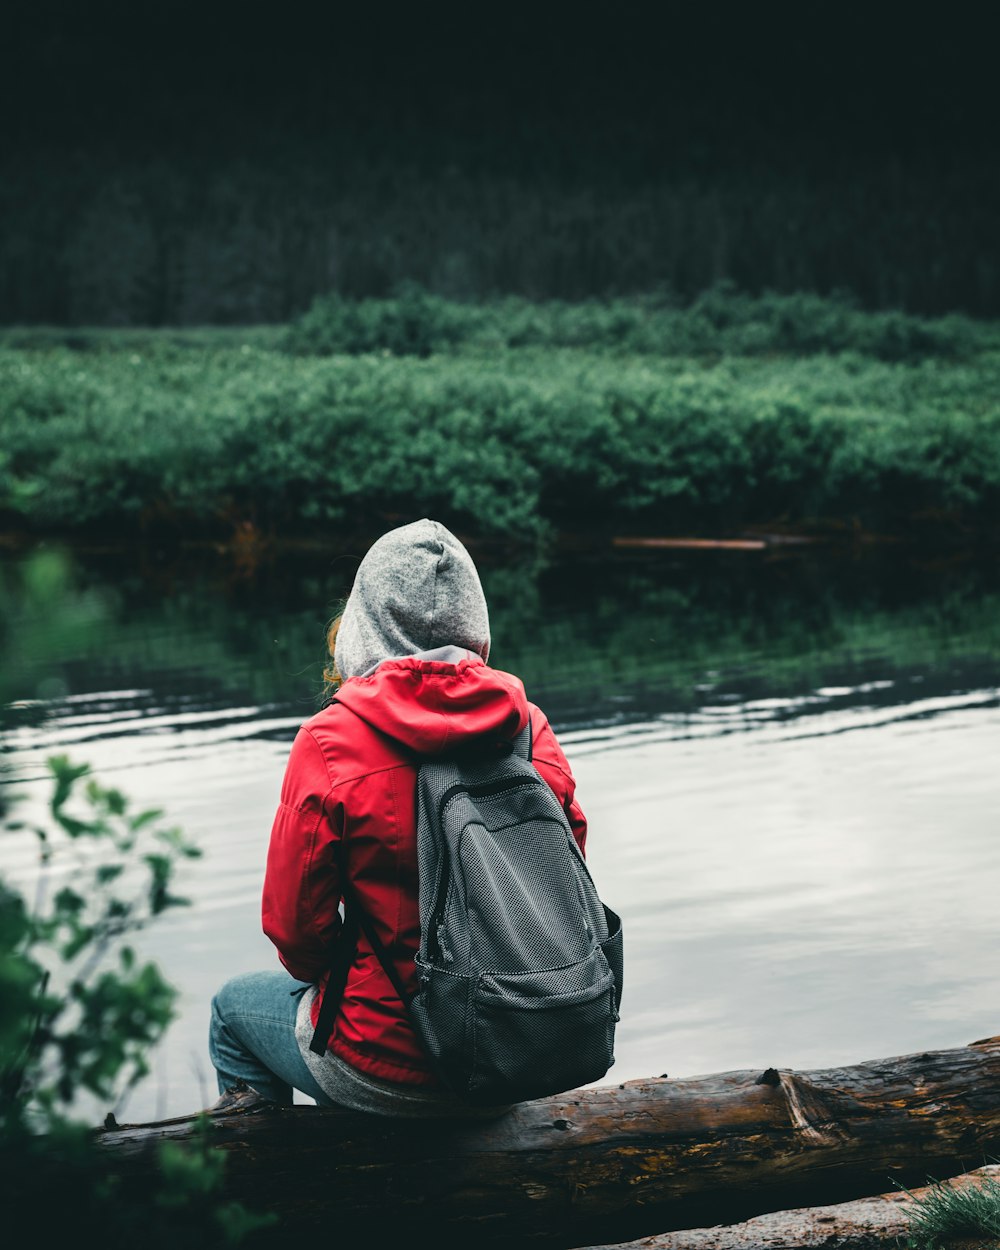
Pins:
x: 947, y: 1212
x: 79, y: 1014
x: 69, y: 1025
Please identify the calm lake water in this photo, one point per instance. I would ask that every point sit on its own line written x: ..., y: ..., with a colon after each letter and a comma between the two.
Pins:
x: 789, y: 767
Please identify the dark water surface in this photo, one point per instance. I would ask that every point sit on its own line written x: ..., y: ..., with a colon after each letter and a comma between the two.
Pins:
x: 790, y: 769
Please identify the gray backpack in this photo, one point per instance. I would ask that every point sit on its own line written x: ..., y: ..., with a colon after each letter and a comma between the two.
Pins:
x: 520, y: 964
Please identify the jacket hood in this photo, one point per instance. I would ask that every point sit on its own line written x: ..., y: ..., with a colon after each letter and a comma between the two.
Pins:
x: 434, y: 706
x: 416, y: 589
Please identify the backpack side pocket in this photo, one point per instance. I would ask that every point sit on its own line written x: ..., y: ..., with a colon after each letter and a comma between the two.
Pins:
x: 612, y: 946
x: 440, y: 1012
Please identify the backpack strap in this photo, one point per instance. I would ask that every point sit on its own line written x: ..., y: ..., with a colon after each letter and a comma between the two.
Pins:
x: 522, y: 744
x: 381, y: 954
x: 343, y: 950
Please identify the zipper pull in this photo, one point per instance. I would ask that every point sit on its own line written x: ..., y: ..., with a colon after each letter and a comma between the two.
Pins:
x: 442, y: 945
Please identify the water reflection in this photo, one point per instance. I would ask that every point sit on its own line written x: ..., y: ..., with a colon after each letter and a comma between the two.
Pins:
x: 789, y: 773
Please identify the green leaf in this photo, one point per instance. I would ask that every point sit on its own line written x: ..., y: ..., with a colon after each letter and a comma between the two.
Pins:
x: 81, y: 937
x: 171, y: 900
x: 66, y: 776
x: 144, y: 818
x: 236, y: 1222
x: 175, y: 839
x: 76, y: 828
x: 68, y: 903
x: 115, y: 802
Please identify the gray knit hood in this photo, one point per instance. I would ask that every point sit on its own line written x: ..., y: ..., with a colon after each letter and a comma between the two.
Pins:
x: 417, y: 589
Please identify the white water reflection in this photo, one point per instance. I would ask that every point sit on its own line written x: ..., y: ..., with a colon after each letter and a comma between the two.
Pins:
x: 804, y: 902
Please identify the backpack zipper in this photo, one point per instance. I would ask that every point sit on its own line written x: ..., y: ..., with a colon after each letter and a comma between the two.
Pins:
x: 483, y: 789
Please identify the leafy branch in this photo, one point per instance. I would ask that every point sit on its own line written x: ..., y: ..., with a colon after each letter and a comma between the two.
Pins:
x: 105, y: 872
x: 79, y: 1014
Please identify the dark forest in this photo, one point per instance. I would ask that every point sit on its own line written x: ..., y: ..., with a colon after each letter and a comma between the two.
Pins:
x: 222, y: 164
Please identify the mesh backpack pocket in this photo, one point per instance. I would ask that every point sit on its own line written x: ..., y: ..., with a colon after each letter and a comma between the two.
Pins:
x: 538, y: 1033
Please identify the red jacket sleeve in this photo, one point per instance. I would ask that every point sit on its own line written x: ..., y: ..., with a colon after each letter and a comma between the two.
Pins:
x: 301, y: 883
x: 548, y: 758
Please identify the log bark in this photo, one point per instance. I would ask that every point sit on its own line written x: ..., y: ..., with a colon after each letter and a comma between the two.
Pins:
x: 606, y: 1163
x: 865, y: 1224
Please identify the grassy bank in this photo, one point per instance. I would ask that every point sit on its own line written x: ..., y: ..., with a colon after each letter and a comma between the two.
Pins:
x: 512, y: 420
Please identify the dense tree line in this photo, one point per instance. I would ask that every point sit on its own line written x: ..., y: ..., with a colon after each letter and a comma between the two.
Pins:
x: 187, y: 240
x: 186, y: 164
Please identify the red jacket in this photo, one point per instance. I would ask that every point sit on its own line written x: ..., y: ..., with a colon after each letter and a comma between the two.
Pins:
x: 351, y: 778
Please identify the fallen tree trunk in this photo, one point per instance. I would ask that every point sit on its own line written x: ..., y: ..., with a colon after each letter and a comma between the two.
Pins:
x: 606, y: 1163
x: 857, y: 1225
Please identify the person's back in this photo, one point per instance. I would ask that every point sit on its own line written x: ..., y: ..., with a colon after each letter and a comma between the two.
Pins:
x: 410, y: 658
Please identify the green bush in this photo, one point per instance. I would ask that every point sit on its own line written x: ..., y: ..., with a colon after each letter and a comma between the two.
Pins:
x: 79, y: 1011
x: 70, y: 1027
x: 78, y: 1016
x: 722, y: 321
x: 511, y: 442
x: 412, y: 323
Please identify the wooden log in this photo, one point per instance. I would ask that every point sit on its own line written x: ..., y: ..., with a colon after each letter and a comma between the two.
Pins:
x: 693, y: 544
x: 607, y: 1163
x: 857, y: 1225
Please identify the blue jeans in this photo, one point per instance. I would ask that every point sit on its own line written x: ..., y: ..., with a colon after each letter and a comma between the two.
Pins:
x: 252, y: 1037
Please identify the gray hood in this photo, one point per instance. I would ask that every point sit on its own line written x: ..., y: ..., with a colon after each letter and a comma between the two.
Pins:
x: 417, y: 589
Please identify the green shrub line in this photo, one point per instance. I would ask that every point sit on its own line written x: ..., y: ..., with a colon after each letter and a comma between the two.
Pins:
x: 720, y: 321
x: 413, y: 321
x: 513, y: 441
